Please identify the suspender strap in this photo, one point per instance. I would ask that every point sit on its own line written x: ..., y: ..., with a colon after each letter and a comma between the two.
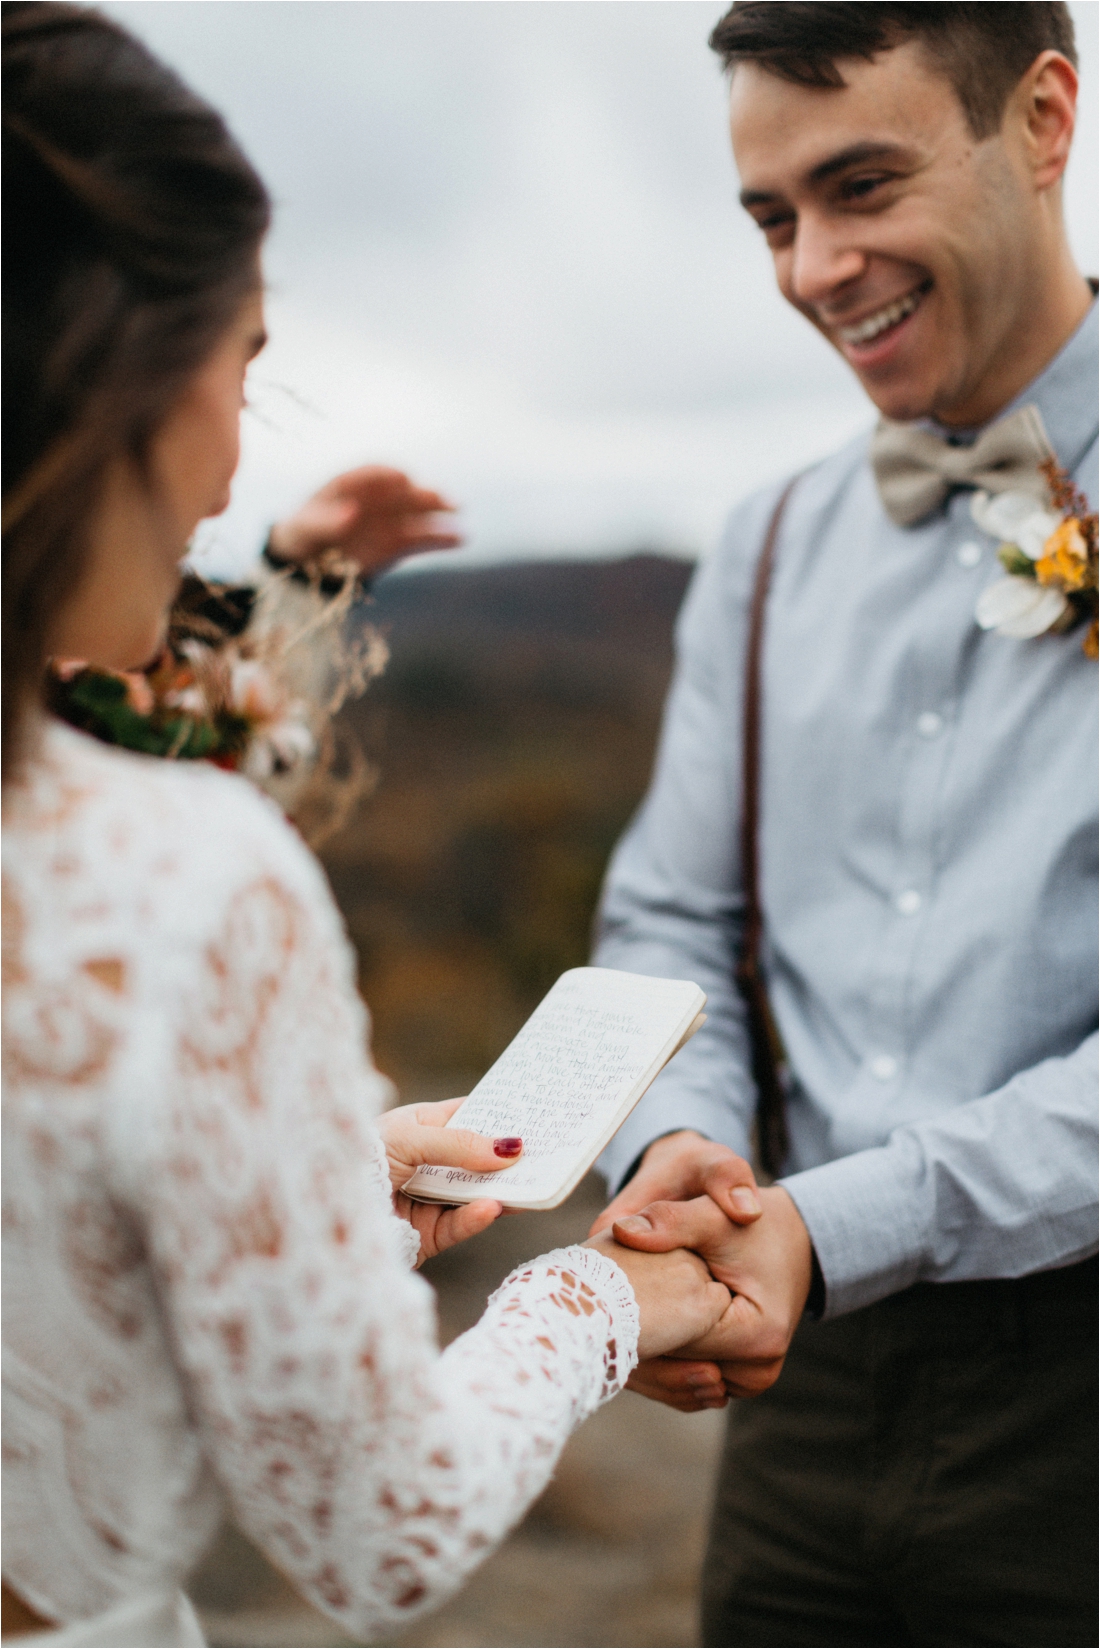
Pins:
x: 766, y: 1046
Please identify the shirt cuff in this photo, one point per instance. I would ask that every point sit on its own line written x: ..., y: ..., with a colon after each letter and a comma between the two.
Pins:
x: 863, y: 1213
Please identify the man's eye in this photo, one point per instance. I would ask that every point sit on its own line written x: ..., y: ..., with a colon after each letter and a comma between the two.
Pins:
x: 858, y: 188
x: 775, y: 220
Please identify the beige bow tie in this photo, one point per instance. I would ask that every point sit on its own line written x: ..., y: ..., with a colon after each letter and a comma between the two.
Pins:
x: 915, y: 470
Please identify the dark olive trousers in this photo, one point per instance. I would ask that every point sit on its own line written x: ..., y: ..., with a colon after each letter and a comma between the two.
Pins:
x: 923, y: 1472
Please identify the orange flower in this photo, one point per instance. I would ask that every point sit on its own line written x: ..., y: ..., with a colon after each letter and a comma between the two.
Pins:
x: 1065, y: 563
x: 1068, y: 537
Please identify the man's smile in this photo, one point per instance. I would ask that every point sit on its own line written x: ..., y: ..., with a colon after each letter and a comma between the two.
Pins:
x: 881, y: 320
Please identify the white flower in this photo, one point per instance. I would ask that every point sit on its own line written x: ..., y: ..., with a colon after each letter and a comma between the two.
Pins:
x: 280, y: 747
x: 1015, y: 518
x: 254, y: 692
x: 1019, y: 607
x: 191, y: 700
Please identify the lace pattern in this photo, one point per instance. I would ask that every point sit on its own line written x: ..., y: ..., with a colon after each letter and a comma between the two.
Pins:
x: 209, y: 1294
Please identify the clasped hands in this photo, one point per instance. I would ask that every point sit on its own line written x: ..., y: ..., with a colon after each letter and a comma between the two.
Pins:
x: 720, y: 1269
x: 700, y: 1199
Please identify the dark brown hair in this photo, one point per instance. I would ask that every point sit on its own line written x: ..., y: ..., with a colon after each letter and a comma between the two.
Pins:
x: 132, y: 227
x: 983, y: 50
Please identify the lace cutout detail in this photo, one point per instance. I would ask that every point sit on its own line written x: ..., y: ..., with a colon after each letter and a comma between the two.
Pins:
x: 208, y: 1293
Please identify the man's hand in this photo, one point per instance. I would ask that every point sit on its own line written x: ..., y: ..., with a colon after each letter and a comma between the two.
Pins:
x: 687, y: 1165
x: 767, y: 1267
x: 374, y: 516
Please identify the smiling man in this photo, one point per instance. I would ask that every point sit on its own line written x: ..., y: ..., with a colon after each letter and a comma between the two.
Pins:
x: 916, y: 1310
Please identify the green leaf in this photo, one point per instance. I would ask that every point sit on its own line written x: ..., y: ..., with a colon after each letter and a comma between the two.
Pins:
x: 1013, y: 560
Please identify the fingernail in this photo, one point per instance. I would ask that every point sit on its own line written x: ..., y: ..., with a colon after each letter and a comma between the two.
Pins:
x: 745, y: 1201
x: 702, y: 1379
x: 635, y: 1222
x: 510, y: 1147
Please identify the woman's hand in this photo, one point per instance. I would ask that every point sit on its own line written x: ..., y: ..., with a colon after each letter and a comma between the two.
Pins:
x: 414, y: 1135
x: 677, y: 1296
x: 373, y: 516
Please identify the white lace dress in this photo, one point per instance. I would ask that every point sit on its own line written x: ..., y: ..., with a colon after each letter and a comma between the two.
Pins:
x: 207, y: 1294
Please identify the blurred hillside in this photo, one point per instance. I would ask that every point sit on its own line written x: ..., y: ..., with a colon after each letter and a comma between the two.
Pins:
x: 513, y: 735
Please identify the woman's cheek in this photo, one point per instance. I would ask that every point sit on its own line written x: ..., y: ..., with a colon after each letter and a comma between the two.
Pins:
x: 229, y: 451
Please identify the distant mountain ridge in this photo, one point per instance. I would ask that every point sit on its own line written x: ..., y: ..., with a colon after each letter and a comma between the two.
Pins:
x: 615, y: 601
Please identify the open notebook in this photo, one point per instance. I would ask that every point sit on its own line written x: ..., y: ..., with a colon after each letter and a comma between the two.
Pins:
x: 567, y: 1082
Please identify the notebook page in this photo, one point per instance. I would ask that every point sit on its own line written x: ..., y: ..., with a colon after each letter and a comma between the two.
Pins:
x: 596, y: 1037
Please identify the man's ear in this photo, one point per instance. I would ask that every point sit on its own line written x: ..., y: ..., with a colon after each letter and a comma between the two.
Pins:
x: 1045, y: 106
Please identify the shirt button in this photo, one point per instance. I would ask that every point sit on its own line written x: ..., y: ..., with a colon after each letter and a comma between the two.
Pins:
x: 909, y: 902
x: 884, y: 1067
x: 968, y: 554
x: 929, y: 724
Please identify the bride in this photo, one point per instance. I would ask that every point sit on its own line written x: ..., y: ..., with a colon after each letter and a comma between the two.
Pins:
x: 209, y: 1267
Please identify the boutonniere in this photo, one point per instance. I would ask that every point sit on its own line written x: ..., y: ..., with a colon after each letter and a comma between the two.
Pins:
x: 1049, y: 553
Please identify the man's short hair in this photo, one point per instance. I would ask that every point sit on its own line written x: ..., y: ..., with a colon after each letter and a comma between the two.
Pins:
x: 983, y: 50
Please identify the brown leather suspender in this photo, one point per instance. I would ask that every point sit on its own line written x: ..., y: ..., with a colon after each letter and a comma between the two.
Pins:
x: 767, y: 1048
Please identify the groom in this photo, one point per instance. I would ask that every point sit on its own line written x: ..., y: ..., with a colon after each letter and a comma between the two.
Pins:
x: 916, y: 1301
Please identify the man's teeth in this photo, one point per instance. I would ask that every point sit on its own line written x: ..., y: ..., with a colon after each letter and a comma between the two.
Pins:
x: 874, y: 324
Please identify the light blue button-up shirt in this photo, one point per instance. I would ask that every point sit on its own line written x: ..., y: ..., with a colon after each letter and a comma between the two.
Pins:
x: 928, y: 876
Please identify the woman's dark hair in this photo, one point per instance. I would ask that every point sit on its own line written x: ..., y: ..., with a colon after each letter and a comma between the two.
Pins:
x: 132, y: 227
x: 983, y: 50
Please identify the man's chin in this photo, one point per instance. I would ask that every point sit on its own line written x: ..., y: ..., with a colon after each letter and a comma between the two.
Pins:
x: 902, y: 402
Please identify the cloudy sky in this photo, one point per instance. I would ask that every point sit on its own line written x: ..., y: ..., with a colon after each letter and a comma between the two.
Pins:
x: 508, y: 256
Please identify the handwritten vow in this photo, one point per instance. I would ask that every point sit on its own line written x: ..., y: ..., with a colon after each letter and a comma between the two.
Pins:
x: 567, y: 1082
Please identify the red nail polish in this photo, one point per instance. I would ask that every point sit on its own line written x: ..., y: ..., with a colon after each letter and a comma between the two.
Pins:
x: 510, y: 1147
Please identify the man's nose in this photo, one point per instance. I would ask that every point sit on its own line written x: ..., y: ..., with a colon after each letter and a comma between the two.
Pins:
x: 823, y: 261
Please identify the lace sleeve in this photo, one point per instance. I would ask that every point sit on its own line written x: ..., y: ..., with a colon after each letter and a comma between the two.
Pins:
x: 375, y: 1471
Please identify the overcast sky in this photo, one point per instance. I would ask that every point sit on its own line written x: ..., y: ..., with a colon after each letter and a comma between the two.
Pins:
x: 507, y: 255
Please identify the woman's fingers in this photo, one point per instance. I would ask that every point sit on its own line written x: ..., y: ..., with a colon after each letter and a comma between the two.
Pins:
x: 678, y: 1300
x: 433, y: 1113
x: 414, y: 1135
x: 443, y: 1228
x: 687, y: 1386
x: 661, y: 1226
x: 460, y: 1148
x: 373, y: 515
x: 391, y: 491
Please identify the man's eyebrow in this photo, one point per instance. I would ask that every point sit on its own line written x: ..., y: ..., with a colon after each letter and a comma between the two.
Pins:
x: 856, y: 154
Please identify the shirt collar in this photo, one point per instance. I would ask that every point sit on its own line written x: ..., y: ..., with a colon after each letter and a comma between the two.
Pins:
x: 1065, y: 394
